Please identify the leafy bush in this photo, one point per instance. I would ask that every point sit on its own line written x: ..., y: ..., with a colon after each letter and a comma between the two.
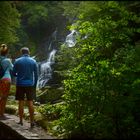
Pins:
x: 102, y: 90
x: 51, y: 111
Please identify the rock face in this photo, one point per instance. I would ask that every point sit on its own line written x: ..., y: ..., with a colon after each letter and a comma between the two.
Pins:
x: 9, y: 129
x: 50, y: 94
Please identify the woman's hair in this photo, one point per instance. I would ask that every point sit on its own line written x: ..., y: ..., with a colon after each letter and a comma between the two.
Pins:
x: 3, y: 49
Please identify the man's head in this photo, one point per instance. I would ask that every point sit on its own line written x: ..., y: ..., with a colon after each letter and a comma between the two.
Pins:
x: 3, y: 49
x: 25, y: 50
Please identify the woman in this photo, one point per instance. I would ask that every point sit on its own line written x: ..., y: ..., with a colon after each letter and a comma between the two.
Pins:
x: 5, y: 81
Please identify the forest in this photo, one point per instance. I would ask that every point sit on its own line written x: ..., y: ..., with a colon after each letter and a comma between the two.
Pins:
x: 100, y: 74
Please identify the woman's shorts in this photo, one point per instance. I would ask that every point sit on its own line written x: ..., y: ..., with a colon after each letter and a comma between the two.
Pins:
x: 5, y: 86
x: 23, y: 92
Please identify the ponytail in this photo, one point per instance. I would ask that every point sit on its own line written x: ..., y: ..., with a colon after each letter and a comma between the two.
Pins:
x: 3, y: 49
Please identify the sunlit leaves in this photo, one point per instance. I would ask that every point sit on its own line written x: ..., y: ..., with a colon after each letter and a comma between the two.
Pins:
x: 101, y: 83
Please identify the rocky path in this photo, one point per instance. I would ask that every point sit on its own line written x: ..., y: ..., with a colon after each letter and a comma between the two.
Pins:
x: 25, y: 131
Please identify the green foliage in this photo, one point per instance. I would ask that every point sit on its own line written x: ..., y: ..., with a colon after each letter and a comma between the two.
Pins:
x: 70, y: 9
x: 50, y: 111
x: 102, y: 89
x: 35, y: 12
x: 33, y: 17
x: 102, y: 70
x: 9, y: 22
x: 65, y: 58
x: 12, y: 90
x: 39, y: 19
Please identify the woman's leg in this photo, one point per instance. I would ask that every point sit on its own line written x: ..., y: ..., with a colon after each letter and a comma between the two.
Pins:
x: 5, y: 88
x: 3, y: 105
x: 1, y: 96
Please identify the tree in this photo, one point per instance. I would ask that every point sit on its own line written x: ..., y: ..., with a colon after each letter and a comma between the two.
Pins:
x: 39, y: 19
x: 9, y: 18
x: 102, y: 91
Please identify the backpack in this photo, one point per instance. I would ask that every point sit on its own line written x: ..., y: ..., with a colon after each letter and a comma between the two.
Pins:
x: 2, y: 71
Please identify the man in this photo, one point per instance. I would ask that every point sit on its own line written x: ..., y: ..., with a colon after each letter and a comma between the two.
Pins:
x: 25, y: 70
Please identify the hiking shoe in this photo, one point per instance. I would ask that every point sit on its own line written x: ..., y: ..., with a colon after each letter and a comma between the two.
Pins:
x: 21, y: 123
x: 32, y: 124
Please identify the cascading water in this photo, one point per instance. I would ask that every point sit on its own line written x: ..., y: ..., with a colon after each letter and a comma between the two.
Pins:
x: 45, y: 70
x: 71, y: 39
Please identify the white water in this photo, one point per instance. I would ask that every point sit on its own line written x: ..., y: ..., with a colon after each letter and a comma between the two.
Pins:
x: 71, y: 39
x: 46, y: 70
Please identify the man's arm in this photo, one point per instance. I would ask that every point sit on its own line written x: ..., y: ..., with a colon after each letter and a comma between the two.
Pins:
x: 35, y: 73
x: 14, y: 72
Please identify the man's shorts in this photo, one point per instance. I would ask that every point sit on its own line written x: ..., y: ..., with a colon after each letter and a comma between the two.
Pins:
x: 23, y: 92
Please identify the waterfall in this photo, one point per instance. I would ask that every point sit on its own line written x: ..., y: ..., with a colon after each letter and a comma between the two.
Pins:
x: 71, y: 39
x: 45, y: 70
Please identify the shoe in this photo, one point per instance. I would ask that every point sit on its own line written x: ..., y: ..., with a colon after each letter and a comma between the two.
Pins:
x: 32, y: 124
x: 21, y: 123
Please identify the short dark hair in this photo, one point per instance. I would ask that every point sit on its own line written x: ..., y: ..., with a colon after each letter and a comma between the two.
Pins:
x: 4, y: 49
x: 24, y: 50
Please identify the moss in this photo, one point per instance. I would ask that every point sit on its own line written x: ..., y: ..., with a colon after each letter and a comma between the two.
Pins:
x: 12, y: 90
x: 11, y: 109
x: 41, y: 120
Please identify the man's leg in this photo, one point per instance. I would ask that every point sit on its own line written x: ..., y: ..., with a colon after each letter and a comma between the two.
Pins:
x: 30, y: 98
x: 21, y: 110
x: 31, y: 111
x: 20, y: 93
